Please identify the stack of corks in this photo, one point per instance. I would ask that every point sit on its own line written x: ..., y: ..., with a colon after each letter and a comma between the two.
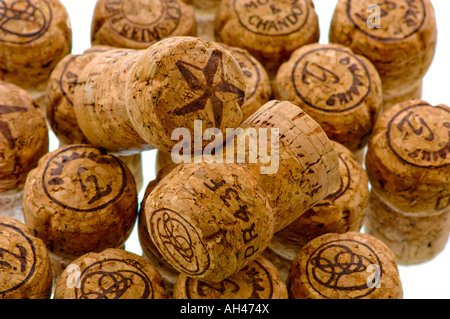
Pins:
x: 34, y: 36
x: 409, y: 170
x: 399, y: 37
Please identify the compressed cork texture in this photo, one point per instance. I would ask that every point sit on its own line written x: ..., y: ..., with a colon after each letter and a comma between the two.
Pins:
x: 110, y: 274
x: 34, y: 36
x: 258, y: 280
x: 401, y: 45
x: 269, y: 30
x: 80, y: 199
x: 343, y: 210
x: 258, y: 89
x: 407, y: 158
x: 60, y: 94
x: 25, y: 271
x: 303, y: 166
x: 336, y: 87
x: 209, y: 220
x: 23, y: 136
x: 413, y: 239
x: 178, y: 81
x: 345, y: 266
x: 139, y: 24
x: 100, y: 106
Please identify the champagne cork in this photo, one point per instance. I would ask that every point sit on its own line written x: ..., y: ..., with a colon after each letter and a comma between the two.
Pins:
x: 341, y: 211
x: 110, y: 274
x: 345, y: 266
x: 409, y: 169
x: 163, y: 159
x: 258, y: 89
x: 398, y: 37
x: 25, y: 265
x: 34, y: 36
x: 80, y: 199
x: 23, y: 140
x: 258, y: 280
x: 269, y: 30
x: 205, y: 14
x: 179, y: 81
x: 336, y: 87
x: 139, y: 24
x: 303, y: 167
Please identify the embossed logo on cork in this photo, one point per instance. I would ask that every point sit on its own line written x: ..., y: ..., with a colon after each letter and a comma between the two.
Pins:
x: 143, y: 21
x: 103, y: 280
x: 18, y: 260
x: 397, y: 19
x: 272, y: 17
x: 84, y: 179
x: 420, y: 135
x: 342, y: 88
x: 23, y: 21
x: 179, y: 241
x: 343, y: 265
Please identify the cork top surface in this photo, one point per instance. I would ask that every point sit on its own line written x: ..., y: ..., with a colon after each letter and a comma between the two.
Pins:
x: 345, y: 266
x: 110, y: 274
x: 258, y: 280
x: 24, y: 263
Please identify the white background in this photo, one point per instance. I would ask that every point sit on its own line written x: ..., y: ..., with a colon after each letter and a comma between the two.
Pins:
x: 430, y: 280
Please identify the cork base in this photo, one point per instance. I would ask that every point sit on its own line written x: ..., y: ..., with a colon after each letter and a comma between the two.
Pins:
x: 393, y: 97
x: 414, y: 239
x: 11, y: 204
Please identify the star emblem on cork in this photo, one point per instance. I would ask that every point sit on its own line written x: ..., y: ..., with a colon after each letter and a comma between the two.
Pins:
x: 203, y: 80
x: 4, y: 126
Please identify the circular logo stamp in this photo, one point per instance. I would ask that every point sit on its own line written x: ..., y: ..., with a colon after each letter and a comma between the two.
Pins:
x: 398, y: 19
x: 179, y: 242
x: 84, y: 178
x: 419, y: 135
x: 272, y: 17
x: 143, y: 21
x: 343, y: 87
x: 250, y: 70
x: 343, y: 265
x: 252, y: 282
x: 17, y: 260
x: 103, y: 280
x: 23, y: 21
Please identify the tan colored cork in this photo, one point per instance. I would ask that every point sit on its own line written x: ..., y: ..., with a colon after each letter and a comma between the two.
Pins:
x: 34, y: 36
x: 343, y: 210
x: 23, y: 136
x: 270, y: 30
x: 258, y: 89
x: 413, y: 238
x: 402, y: 48
x: 163, y: 159
x: 336, y: 87
x: 209, y: 220
x: 100, y: 106
x: 205, y: 14
x: 258, y: 280
x: 80, y: 199
x: 408, y: 159
x: 392, y: 98
x: 138, y: 24
x: 178, y: 81
x: 110, y: 274
x: 60, y: 95
x: 308, y: 166
x: 345, y: 266
x: 25, y: 271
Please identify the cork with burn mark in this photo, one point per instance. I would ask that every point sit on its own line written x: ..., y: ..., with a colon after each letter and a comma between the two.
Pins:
x: 343, y: 210
x: 138, y: 24
x: 110, y: 274
x: 178, y: 81
x: 269, y: 30
x: 258, y: 280
x: 336, y: 87
x: 80, y: 199
x: 25, y: 271
x: 401, y: 46
x: 345, y: 266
